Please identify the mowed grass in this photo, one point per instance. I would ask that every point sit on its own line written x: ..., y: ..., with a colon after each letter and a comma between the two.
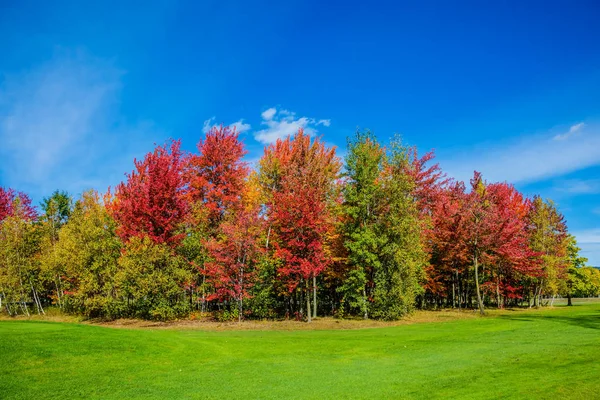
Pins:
x: 553, y: 353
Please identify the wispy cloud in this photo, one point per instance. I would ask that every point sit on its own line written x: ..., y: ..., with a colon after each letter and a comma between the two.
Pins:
x: 281, y: 123
x: 269, y: 113
x: 239, y: 126
x: 60, y: 127
x: 578, y: 186
x: 531, y: 158
x: 588, y: 236
x: 572, y: 131
x: 589, y: 241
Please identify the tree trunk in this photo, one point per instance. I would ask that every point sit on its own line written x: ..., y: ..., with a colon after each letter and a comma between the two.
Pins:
x: 241, y: 310
x: 479, y: 302
x: 569, y: 302
x: 309, y: 319
x: 366, y: 309
x: 36, y: 299
x: 268, y: 236
x: 538, y: 298
x: 58, y: 293
x: 203, y: 308
x: 453, y: 295
x: 498, y: 291
x: 314, y: 296
x: 460, y: 291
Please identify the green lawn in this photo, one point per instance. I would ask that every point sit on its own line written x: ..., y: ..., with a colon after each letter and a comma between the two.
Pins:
x: 520, y: 354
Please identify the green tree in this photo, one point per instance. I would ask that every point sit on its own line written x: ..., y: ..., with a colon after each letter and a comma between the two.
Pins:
x: 362, y: 211
x: 580, y: 280
x: 382, y: 230
x: 152, y: 279
x: 56, y: 212
x: 57, y: 208
x: 548, y: 237
x: 397, y: 279
x: 86, y: 254
x: 19, y: 261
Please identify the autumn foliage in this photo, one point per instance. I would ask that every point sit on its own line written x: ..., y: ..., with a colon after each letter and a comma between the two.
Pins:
x: 13, y: 202
x: 151, y: 202
x: 298, y: 236
x: 217, y: 173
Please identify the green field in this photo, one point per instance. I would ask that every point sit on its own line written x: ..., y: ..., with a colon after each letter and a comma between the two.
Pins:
x: 553, y: 353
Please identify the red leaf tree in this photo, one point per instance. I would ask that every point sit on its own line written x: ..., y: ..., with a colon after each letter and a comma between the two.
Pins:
x: 217, y: 177
x: 152, y: 202
x: 301, y: 174
x: 484, y: 229
x: 11, y: 200
x: 510, y: 258
x: 217, y: 173
x: 449, y: 254
x: 233, y: 256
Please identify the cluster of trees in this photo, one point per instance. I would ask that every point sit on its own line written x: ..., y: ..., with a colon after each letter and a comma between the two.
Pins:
x: 301, y: 235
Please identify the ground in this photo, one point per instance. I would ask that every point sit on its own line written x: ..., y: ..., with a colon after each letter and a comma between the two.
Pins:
x: 547, y: 353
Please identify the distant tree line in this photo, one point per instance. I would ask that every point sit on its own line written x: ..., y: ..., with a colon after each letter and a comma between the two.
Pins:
x: 301, y: 235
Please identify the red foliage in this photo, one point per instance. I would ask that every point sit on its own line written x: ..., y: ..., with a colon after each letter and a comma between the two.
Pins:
x: 429, y: 180
x: 13, y: 202
x: 305, y: 172
x: 151, y: 202
x: 233, y: 256
x: 301, y: 220
x: 509, y: 239
x: 449, y: 253
x: 490, y: 223
x: 217, y: 173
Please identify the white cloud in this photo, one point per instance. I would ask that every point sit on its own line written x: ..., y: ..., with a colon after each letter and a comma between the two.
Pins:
x: 588, y: 236
x: 59, y: 127
x: 572, y: 131
x: 589, y: 241
x: 530, y: 158
x: 579, y: 186
x: 268, y: 114
x: 209, y: 124
x: 280, y: 124
x: 239, y: 126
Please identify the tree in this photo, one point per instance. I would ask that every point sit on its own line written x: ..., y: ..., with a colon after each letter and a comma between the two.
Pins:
x: 584, y: 282
x: 397, y: 280
x: 234, y: 255
x: 216, y: 177
x: 86, y: 258
x: 152, y: 279
x: 575, y: 264
x: 449, y: 254
x: 362, y: 208
x: 299, y: 175
x: 19, y: 264
x: 57, y: 208
x: 548, y: 238
x: 8, y: 204
x: 382, y: 229
x: 509, y: 256
x: 56, y: 211
x: 217, y: 173
x: 151, y: 203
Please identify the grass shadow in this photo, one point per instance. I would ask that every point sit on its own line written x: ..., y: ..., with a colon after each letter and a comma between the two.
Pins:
x: 583, y: 321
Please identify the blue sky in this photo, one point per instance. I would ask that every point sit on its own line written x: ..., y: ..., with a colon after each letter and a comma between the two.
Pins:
x: 512, y: 90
